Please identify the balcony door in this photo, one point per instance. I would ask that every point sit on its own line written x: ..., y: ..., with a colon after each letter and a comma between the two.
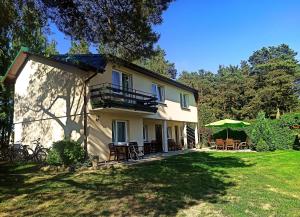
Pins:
x: 122, y: 83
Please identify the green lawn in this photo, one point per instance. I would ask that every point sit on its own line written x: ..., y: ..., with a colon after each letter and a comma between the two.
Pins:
x: 203, y: 184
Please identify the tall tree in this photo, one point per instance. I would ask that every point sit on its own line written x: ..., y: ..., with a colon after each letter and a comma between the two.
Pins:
x: 23, y: 25
x: 268, y: 81
x: 79, y: 47
x: 124, y: 25
x: 51, y: 48
x: 275, y: 70
x: 159, y: 64
x: 266, y: 54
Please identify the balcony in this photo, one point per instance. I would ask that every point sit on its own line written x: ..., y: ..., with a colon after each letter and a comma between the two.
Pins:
x: 108, y: 95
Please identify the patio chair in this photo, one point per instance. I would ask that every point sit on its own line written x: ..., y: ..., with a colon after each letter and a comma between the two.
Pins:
x: 136, y: 152
x: 171, y: 145
x: 147, y: 147
x: 211, y: 143
x: 112, y: 151
x: 122, y: 153
x: 153, y: 145
x: 230, y: 144
x: 243, y: 145
x: 220, y: 144
x: 179, y: 146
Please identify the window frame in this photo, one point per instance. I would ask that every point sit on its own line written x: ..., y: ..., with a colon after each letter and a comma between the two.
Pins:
x: 161, y: 92
x: 145, y: 133
x: 120, y: 85
x: 115, y: 131
x: 184, y: 100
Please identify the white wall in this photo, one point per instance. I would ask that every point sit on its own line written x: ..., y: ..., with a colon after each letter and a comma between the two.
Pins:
x: 48, y: 102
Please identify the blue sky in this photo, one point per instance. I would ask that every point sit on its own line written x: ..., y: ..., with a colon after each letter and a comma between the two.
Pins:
x: 202, y: 34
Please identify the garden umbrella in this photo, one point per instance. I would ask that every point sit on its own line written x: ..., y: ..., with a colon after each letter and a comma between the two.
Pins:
x: 228, y: 123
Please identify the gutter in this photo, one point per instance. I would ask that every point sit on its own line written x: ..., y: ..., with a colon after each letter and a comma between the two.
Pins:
x: 85, y: 104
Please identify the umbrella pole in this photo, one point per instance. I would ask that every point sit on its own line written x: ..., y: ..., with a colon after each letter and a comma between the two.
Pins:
x: 227, y: 133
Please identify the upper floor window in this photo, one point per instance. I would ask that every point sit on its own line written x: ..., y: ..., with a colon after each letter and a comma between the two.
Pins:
x: 184, y: 100
x: 121, y: 80
x: 159, y: 92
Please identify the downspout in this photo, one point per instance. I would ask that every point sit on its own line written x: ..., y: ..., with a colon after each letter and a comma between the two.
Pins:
x: 85, y: 104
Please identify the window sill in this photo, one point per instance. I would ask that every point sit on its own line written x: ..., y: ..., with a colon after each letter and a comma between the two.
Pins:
x: 186, y: 109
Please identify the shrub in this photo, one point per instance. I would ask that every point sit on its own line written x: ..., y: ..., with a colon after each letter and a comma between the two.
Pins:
x: 275, y: 133
x: 65, y: 152
x: 54, y: 158
x: 262, y: 145
x: 261, y: 132
x: 282, y: 135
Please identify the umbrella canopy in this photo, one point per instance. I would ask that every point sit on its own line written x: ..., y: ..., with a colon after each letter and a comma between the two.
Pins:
x: 228, y: 123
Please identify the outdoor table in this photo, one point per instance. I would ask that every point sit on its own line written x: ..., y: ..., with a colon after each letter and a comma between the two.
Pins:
x: 125, y: 147
x: 147, y: 147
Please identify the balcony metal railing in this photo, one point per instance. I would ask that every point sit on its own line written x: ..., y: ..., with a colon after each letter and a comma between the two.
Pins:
x: 108, y: 95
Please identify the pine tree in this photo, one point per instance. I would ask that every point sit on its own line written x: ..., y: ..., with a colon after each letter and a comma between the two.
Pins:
x: 159, y: 64
x: 79, y: 47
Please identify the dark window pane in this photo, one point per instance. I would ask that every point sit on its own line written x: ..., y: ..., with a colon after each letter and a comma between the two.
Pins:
x: 121, y: 131
x: 113, y: 131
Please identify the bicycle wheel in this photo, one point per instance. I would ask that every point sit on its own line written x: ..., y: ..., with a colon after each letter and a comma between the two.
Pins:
x: 29, y: 154
x: 41, y: 156
x: 18, y: 155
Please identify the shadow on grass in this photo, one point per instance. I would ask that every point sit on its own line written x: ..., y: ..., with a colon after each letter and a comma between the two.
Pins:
x: 156, y: 188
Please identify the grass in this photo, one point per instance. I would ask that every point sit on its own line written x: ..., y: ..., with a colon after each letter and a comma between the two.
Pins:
x: 194, y: 184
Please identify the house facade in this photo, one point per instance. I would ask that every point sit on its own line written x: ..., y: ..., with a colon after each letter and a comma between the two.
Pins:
x: 98, y: 101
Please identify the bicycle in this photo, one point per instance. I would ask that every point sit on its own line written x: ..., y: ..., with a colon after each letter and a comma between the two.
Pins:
x: 39, y: 153
x: 20, y: 152
x: 16, y: 151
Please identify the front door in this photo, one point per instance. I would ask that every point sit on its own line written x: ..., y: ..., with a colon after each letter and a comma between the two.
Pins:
x: 158, y: 137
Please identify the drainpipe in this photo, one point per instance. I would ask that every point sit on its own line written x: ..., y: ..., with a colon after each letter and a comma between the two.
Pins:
x: 85, y: 104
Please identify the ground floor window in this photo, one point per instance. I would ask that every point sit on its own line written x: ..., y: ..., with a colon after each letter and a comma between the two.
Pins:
x: 145, y: 132
x: 119, y: 131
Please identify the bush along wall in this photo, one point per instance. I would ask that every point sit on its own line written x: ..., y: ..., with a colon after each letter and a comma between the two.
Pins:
x: 66, y: 153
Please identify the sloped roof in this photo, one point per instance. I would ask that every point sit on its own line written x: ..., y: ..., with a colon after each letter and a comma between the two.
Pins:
x: 95, y: 61
x: 98, y: 62
x: 87, y: 62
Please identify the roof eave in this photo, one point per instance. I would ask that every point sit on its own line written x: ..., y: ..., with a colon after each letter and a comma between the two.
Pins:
x: 14, y: 68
